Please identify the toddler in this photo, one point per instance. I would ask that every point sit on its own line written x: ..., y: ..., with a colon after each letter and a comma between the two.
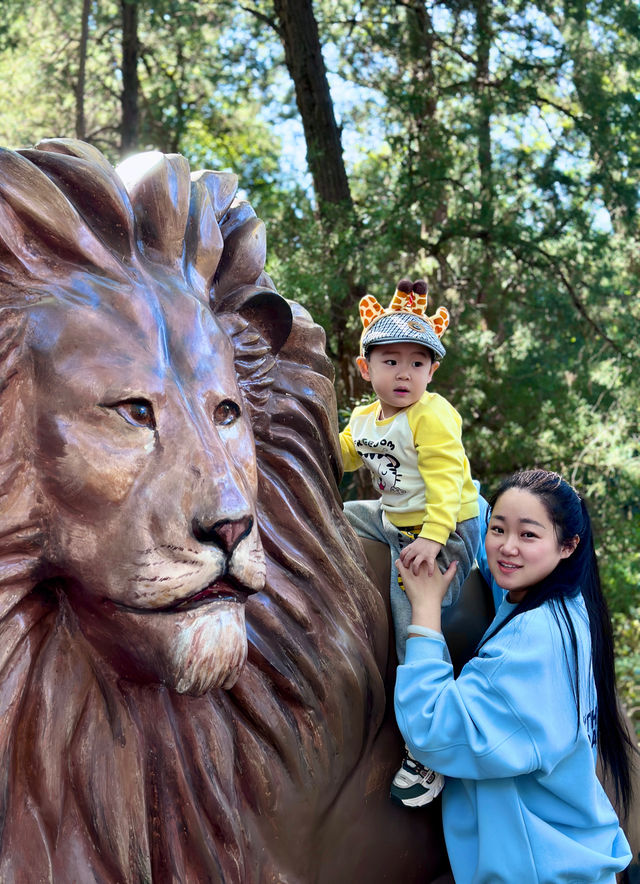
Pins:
x: 410, y: 440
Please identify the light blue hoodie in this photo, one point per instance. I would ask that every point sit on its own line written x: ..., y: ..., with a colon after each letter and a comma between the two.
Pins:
x: 523, y: 803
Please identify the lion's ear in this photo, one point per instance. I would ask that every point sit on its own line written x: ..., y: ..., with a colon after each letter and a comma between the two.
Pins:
x: 270, y: 313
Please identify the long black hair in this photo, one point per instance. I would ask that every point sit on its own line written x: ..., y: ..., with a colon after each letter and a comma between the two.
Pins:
x: 579, y: 573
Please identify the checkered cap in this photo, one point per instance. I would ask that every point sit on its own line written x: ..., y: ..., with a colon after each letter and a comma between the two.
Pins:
x: 396, y: 328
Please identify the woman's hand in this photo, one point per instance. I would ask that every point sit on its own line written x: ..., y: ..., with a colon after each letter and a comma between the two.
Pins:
x: 426, y: 593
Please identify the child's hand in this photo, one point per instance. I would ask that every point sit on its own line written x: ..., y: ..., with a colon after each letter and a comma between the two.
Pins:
x: 426, y: 592
x: 419, y: 551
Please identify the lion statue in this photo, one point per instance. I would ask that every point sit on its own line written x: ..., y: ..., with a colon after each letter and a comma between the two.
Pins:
x: 193, y: 656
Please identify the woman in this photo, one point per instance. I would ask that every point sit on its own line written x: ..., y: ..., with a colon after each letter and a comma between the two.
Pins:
x: 517, y: 733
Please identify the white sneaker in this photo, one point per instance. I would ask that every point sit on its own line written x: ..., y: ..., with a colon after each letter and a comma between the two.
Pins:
x: 415, y: 785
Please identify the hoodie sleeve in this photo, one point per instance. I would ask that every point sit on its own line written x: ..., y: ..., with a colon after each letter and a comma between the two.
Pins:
x: 510, y: 711
x: 436, y: 428
x: 351, y: 460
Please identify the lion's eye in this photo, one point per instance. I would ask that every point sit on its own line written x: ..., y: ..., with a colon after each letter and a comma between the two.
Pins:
x: 137, y: 412
x: 227, y: 412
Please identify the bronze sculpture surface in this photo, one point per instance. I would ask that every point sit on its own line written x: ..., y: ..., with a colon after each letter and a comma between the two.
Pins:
x: 168, y: 461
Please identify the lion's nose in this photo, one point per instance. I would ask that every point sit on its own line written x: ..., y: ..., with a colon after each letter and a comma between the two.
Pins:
x: 225, y: 533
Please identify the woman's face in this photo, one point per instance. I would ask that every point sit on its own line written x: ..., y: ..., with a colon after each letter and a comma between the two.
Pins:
x: 521, y: 542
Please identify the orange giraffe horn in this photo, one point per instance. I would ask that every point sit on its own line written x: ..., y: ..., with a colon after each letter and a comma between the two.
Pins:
x: 369, y: 310
x: 410, y: 297
x: 403, y: 297
x: 440, y: 321
x: 420, y: 290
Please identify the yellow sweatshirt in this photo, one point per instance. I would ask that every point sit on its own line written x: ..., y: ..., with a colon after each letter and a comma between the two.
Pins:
x: 418, y: 464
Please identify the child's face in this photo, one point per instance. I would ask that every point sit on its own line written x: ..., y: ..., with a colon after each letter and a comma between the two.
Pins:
x: 521, y: 542
x: 398, y: 373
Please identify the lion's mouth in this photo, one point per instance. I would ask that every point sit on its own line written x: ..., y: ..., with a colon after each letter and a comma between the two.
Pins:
x: 223, y: 590
x: 220, y: 591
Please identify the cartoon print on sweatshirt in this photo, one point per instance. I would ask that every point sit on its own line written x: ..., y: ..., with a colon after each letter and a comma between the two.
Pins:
x: 385, y: 466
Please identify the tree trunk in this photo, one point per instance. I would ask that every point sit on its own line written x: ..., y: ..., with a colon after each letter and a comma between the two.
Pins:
x: 298, y: 31
x: 485, y: 158
x: 130, y: 83
x: 82, y: 65
x: 427, y: 156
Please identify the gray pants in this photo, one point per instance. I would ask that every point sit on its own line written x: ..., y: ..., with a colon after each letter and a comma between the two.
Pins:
x: 368, y: 520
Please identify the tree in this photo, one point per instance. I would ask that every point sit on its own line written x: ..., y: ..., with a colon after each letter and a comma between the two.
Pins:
x: 337, y: 234
x: 130, y: 83
x: 298, y: 30
x: 82, y: 66
x: 502, y: 156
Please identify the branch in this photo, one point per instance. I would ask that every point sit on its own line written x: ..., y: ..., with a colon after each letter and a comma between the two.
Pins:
x: 263, y: 18
x: 578, y: 303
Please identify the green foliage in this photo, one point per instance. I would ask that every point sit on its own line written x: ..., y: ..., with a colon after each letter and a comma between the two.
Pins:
x: 515, y: 192
x: 627, y: 644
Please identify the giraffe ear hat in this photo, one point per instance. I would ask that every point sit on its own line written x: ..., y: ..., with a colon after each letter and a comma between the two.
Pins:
x: 404, y: 320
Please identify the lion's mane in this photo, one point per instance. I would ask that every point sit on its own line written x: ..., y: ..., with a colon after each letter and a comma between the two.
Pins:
x: 107, y: 780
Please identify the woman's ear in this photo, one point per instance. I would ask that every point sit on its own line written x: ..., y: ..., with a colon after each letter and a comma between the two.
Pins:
x: 363, y: 365
x: 569, y: 546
